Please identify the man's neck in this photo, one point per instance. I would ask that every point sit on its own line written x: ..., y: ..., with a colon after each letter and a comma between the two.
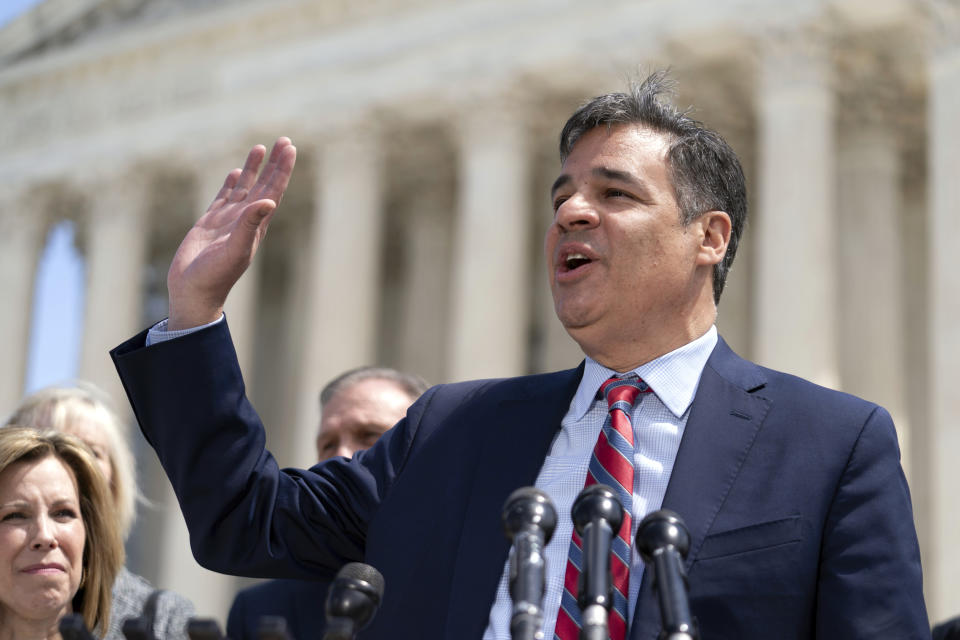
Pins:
x: 624, y: 353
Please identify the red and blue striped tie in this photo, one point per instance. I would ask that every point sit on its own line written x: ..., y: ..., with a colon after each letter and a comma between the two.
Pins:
x: 611, y: 464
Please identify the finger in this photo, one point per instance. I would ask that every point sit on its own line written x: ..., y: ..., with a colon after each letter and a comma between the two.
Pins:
x: 249, y: 174
x: 254, y: 218
x: 228, y: 184
x: 279, y: 148
x: 279, y: 177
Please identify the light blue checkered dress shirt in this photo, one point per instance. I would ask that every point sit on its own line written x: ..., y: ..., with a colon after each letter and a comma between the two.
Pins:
x: 658, y: 423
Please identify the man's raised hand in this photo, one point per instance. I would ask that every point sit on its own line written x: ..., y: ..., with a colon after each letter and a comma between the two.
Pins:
x: 222, y: 243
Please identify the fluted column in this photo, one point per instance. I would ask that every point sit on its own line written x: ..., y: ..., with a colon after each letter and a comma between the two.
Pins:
x: 115, y: 245
x: 870, y: 242
x: 942, y: 571
x: 491, y: 261
x: 342, y: 285
x: 425, y: 305
x: 795, y: 223
x: 241, y: 306
x: 22, y: 223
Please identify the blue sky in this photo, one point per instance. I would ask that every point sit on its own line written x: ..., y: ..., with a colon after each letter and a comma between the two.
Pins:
x: 10, y: 9
x: 57, y: 322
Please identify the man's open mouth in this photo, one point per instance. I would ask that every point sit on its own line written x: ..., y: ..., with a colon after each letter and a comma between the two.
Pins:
x: 574, y: 261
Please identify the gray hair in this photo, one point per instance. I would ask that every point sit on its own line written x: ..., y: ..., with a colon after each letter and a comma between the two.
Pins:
x: 410, y: 383
x: 704, y: 170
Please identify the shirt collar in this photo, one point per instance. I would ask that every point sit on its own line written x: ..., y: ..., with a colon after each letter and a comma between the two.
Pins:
x: 673, y: 377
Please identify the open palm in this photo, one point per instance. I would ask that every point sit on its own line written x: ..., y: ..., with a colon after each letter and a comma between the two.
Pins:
x: 220, y: 246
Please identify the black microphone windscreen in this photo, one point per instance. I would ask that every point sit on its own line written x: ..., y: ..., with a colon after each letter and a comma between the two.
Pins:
x: 361, y: 571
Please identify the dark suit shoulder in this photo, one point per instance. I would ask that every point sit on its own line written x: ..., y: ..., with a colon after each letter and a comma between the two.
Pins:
x: 805, y: 401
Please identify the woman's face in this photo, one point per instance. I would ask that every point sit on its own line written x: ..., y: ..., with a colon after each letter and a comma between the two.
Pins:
x: 41, y: 540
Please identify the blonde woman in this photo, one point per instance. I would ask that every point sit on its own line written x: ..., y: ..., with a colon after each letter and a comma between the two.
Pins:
x: 85, y: 413
x: 60, y: 547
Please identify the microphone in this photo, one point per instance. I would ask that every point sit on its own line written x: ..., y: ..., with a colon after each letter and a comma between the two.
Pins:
x: 597, y: 516
x: 663, y: 542
x: 352, y: 600
x: 137, y: 629
x: 203, y: 629
x: 529, y: 519
x: 273, y: 628
x: 71, y: 627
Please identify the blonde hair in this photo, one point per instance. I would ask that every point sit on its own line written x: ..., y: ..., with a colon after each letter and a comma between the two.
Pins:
x: 103, y: 550
x: 57, y: 407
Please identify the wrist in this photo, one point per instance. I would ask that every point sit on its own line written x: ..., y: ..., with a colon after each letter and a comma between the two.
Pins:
x: 180, y: 318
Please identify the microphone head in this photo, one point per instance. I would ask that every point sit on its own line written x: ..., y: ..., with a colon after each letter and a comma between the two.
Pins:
x: 526, y: 507
x: 355, y: 594
x: 662, y: 529
x: 364, y: 573
x: 598, y: 501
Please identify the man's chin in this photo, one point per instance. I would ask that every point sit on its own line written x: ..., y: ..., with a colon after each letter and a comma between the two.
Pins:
x: 576, y: 324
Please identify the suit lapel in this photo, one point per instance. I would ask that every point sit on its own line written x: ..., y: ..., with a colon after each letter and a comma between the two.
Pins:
x: 725, y: 418
x: 516, y: 441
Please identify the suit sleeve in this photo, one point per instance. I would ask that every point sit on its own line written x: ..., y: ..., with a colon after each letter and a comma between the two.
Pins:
x: 870, y: 583
x: 245, y: 515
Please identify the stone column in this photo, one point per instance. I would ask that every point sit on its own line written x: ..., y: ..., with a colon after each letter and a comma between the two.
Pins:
x: 553, y: 348
x: 22, y: 223
x: 870, y: 268
x: 869, y: 242
x: 211, y: 593
x: 341, y: 296
x: 795, y: 223
x: 491, y: 263
x: 115, y: 243
x: 942, y: 566
x: 241, y: 305
x: 426, y: 301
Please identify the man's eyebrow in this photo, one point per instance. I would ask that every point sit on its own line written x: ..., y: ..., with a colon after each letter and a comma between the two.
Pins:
x: 609, y: 174
x: 559, y: 182
x: 622, y: 176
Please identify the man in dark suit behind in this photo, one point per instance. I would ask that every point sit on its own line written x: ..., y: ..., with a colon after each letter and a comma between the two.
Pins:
x: 356, y: 408
x: 798, y: 510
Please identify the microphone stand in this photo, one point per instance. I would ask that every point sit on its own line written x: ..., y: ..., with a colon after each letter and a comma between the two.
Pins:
x: 663, y: 542
x: 597, y: 516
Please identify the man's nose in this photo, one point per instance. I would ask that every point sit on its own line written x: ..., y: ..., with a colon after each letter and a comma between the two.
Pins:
x: 576, y: 213
x: 44, y: 534
x: 345, y: 451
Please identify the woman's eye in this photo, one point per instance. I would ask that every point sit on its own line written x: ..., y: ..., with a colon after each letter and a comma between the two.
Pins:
x: 65, y: 514
x: 13, y: 515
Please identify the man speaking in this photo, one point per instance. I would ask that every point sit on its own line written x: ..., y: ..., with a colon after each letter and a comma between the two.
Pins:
x: 799, y: 514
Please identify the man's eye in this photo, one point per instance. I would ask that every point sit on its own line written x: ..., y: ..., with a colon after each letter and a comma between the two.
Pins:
x: 558, y: 202
x: 13, y: 515
x: 615, y: 193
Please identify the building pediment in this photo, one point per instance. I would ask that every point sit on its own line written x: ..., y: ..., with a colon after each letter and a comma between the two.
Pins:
x: 56, y: 24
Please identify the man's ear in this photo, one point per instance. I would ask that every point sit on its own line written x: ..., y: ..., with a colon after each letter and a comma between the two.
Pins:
x: 715, y: 229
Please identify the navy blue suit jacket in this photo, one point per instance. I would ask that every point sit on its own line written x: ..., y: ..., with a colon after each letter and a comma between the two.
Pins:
x: 300, y: 602
x: 797, y: 506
